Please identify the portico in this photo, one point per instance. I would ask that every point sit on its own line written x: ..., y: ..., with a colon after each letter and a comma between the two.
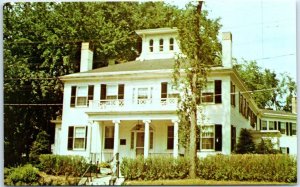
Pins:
x: 144, y: 136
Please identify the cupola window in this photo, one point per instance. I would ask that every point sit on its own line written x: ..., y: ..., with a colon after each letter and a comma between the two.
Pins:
x: 161, y: 45
x: 171, y: 42
x: 151, y: 45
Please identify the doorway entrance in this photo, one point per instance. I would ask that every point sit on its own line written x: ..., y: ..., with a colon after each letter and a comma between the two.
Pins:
x: 140, y: 143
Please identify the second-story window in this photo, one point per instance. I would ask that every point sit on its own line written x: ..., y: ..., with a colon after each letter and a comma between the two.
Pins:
x: 171, y: 44
x: 111, y: 92
x: 143, y: 93
x: 161, y: 45
x: 232, y: 96
x: 151, y: 45
x: 208, y: 93
x: 80, y: 95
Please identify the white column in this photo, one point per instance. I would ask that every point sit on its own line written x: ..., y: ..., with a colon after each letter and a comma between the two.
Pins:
x: 116, y: 136
x: 147, y: 135
x: 175, y: 150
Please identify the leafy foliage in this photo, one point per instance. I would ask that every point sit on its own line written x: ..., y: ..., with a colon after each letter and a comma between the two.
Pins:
x: 155, y: 168
x: 271, y: 90
x: 42, y: 41
x: 62, y: 165
x: 40, y: 146
x: 240, y: 167
x: 26, y: 174
x: 200, y: 50
x: 266, y: 147
x: 245, y: 143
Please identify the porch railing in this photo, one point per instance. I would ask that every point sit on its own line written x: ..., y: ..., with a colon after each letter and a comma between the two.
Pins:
x: 143, y: 104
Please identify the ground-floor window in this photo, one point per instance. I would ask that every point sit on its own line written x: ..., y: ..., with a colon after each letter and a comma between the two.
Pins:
x: 284, y: 150
x: 109, y: 137
x: 77, y: 136
x: 207, y: 137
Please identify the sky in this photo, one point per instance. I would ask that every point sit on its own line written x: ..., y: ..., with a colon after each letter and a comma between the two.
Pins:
x: 262, y: 30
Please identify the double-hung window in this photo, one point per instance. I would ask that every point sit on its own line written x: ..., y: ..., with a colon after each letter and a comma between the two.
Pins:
x: 208, y: 93
x: 80, y: 95
x: 294, y: 129
x: 77, y: 137
x: 264, y: 125
x: 111, y: 92
x: 272, y: 125
x: 109, y: 137
x: 207, y: 137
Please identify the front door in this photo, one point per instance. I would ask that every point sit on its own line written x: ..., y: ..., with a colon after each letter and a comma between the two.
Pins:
x: 140, y: 143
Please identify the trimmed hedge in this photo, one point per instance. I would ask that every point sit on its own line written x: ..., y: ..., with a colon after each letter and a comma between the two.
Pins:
x: 63, y: 165
x: 154, y: 168
x: 247, y: 167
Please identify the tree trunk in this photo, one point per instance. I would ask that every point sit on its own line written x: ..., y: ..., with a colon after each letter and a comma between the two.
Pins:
x: 192, y: 148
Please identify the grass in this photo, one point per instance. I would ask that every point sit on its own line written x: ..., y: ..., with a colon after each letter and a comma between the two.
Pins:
x: 201, y: 182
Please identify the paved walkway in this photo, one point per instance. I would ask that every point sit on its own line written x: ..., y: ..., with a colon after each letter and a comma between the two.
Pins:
x: 104, y: 177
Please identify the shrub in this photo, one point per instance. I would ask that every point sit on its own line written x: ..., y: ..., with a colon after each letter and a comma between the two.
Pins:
x: 266, y: 147
x: 63, y: 165
x: 40, y: 146
x: 245, y: 143
x: 154, y: 168
x: 26, y: 174
x: 239, y: 167
x: 254, y: 167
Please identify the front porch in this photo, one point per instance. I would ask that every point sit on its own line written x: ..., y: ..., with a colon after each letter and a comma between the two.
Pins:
x: 131, y: 137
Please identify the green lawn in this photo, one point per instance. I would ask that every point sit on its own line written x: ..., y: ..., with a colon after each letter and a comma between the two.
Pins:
x: 200, y: 182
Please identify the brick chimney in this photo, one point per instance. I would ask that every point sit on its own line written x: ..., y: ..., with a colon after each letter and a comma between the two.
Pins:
x: 86, y: 61
x: 227, y: 49
x: 294, y: 105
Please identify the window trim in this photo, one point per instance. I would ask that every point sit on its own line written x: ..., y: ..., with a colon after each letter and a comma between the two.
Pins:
x: 205, y: 91
x: 73, y: 127
x: 213, y: 137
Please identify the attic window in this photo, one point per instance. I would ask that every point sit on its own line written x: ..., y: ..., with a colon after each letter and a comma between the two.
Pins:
x: 161, y: 45
x: 151, y: 45
x: 171, y: 42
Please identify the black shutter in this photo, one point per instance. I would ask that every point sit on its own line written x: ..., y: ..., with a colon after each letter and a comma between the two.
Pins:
x: 233, y: 137
x: 121, y: 91
x: 218, y: 91
x: 103, y: 92
x: 164, y: 90
x: 86, y: 131
x: 288, y: 150
x: 279, y: 125
x: 70, y: 138
x: 198, y: 138
x: 259, y: 124
x: 291, y: 129
x: 73, y: 96
x: 287, y: 128
x: 218, y: 137
x: 90, y: 93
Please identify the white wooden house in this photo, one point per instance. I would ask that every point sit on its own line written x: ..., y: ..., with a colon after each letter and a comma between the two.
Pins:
x: 130, y: 108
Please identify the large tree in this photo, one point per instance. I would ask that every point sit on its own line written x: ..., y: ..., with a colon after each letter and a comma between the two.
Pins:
x: 42, y: 41
x: 201, y: 50
x: 268, y: 89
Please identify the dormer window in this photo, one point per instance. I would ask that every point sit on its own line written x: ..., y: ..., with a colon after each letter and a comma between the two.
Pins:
x: 171, y: 44
x: 161, y: 45
x: 151, y: 45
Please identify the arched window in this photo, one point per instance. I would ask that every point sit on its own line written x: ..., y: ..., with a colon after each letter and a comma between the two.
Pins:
x: 171, y: 44
x: 151, y: 45
x: 161, y: 45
